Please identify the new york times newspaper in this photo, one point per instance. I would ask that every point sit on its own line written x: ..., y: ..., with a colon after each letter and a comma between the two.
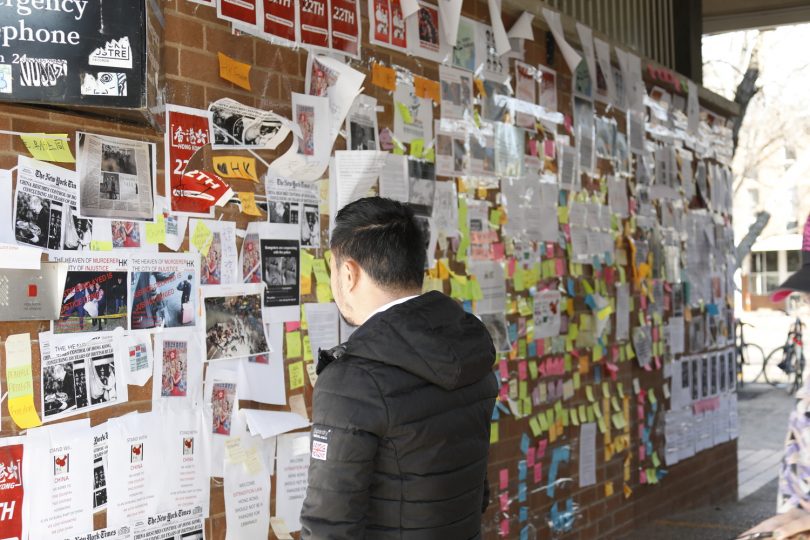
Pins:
x: 180, y: 524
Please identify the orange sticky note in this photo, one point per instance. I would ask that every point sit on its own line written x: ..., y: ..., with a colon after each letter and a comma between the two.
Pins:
x: 479, y: 84
x: 248, y: 200
x: 384, y: 77
x: 234, y: 71
x: 425, y: 88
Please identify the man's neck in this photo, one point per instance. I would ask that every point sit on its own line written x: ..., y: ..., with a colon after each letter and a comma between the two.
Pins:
x: 385, y: 298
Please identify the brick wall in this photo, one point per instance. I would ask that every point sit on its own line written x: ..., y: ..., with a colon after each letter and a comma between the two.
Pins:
x: 193, y: 37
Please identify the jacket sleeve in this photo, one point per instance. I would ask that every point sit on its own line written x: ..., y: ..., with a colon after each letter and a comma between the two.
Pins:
x: 349, y: 419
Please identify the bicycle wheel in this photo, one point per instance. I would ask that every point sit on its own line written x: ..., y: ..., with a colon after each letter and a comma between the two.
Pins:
x: 781, y: 356
x: 798, y: 371
x: 752, y: 361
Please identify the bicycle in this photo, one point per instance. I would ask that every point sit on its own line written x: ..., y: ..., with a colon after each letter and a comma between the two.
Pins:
x: 746, y: 353
x: 789, y: 358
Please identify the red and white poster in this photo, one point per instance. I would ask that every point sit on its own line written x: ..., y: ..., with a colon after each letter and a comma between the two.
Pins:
x: 346, y: 27
x: 387, y: 24
x: 278, y: 19
x: 239, y: 11
x: 188, y: 130
x: 314, y: 20
x: 11, y: 488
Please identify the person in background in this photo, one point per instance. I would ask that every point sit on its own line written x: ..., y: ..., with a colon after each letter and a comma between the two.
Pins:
x: 401, y: 411
x: 793, y: 503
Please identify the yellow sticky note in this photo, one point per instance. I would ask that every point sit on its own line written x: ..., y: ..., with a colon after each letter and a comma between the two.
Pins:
x: 321, y: 273
x: 248, y: 200
x: 293, y: 340
x: 101, y: 245
x: 202, y: 238
x: 417, y: 148
x: 296, y: 372
x: 429, y: 155
x: 306, y: 272
x: 323, y: 291
x: 252, y: 462
x: 404, y: 112
x: 307, y: 349
x: 493, y: 433
x: 479, y: 85
x: 156, y: 232
x: 20, y: 382
x: 49, y: 148
x: 234, y: 71
x: 241, y: 167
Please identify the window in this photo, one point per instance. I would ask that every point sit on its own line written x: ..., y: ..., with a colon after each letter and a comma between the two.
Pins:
x: 765, y: 272
x: 794, y: 260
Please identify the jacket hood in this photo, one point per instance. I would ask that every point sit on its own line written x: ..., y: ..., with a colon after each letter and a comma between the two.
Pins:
x: 430, y: 336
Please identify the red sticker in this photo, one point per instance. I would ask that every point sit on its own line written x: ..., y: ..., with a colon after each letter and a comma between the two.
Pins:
x: 237, y: 10
x: 11, y: 490
x: 204, y: 188
x: 279, y: 18
x: 314, y: 17
x: 345, y: 27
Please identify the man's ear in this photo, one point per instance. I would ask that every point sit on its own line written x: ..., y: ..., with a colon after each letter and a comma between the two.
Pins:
x: 351, y: 273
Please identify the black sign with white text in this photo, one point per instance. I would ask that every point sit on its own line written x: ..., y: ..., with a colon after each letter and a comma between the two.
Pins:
x: 73, y: 52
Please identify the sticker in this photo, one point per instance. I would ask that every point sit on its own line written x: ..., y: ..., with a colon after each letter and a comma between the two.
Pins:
x: 116, y: 53
x: 5, y: 79
x: 319, y: 450
x: 42, y: 72
x: 104, y: 84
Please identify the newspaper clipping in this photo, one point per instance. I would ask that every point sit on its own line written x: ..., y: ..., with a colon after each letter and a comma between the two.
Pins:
x: 183, y: 523
x: 163, y: 291
x: 295, y: 202
x: 45, y: 207
x: 117, y: 177
x: 78, y: 375
x: 100, y: 439
x: 237, y: 126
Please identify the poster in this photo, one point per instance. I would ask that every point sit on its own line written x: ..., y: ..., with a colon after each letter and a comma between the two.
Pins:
x: 388, y: 24
x: 292, y: 458
x: 79, y: 375
x: 345, y: 32
x: 247, y: 496
x: 361, y: 124
x: 186, y: 460
x: 464, y: 50
x: 13, y: 503
x: 233, y: 321
x: 45, y: 204
x: 451, y: 151
x: 116, y: 177
x: 277, y: 19
x: 95, y: 296
x: 547, y: 88
x: 413, y: 116
x: 187, y: 130
x: 525, y: 90
x: 424, y: 34
x: 163, y: 291
x: 218, y: 262
x: 547, y: 314
x: 178, y: 370
x: 58, y: 466
x: 456, y: 91
x: 313, y: 17
x: 238, y: 11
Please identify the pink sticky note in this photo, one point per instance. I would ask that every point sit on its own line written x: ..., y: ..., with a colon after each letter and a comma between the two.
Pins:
x: 504, y: 479
x: 498, y: 251
x: 530, y: 454
x: 632, y: 205
x: 510, y: 267
x: 538, y: 473
x: 643, y: 477
x: 540, y: 345
x: 548, y: 147
x: 533, y: 147
x: 640, y: 412
x: 503, y: 395
x: 642, y: 452
x: 642, y: 302
x: 559, y: 267
x: 504, y: 498
x: 522, y: 374
x: 503, y: 369
x: 541, y: 448
x: 292, y: 326
x: 569, y: 125
x: 655, y: 333
x: 504, y: 528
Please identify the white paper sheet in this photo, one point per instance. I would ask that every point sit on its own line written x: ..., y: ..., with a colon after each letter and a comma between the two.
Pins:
x: 58, y: 466
x: 136, y: 464
x: 522, y: 29
x: 394, y: 181
x: 586, y: 39
x: 308, y: 156
x: 449, y: 16
x: 502, y: 45
x: 417, y: 123
x: 186, y: 461
x: 100, y: 466
x: 222, y: 396
x: 602, y: 49
x: 19, y: 257
x: 219, y: 265
x: 272, y: 423
x: 323, y: 326
x: 490, y: 277
x: 547, y: 313
x: 292, y: 459
x: 572, y: 58
x: 337, y: 81
x: 246, y: 490
x: 587, y: 454
x: 355, y: 173
x: 6, y: 198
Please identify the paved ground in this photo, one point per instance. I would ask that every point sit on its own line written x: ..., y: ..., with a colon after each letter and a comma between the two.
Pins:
x: 763, y: 413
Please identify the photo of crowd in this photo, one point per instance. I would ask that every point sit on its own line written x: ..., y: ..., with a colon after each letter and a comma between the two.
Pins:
x: 233, y: 327
x: 115, y: 159
x: 93, y: 302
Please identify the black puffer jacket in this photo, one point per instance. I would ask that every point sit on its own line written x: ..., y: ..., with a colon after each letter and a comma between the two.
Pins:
x: 401, y: 418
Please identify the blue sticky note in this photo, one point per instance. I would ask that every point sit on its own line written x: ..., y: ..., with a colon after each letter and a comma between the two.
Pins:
x: 524, y: 444
x: 531, y: 350
x: 597, y: 374
x: 590, y: 302
x: 524, y: 516
x: 522, y: 492
x: 712, y: 310
x: 467, y: 305
x: 524, y: 532
x: 570, y: 287
x: 596, y: 264
x: 496, y: 415
x: 522, y: 470
x: 561, y: 454
x: 513, y: 332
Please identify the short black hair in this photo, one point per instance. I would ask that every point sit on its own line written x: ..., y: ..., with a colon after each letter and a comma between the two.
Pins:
x: 383, y: 237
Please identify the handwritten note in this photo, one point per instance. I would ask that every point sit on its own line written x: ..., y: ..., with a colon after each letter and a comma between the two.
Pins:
x: 241, y: 167
x: 384, y: 77
x: 234, y: 71
x: 296, y: 372
x: 248, y: 200
x: 49, y: 148
x: 202, y: 238
x: 20, y: 383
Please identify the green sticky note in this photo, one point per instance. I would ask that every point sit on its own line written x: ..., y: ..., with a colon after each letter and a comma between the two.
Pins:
x: 101, y: 245
x: 202, y: 237
x: 404, y: 112
x: 535, y: 427
x: 493, y: 433
x: 655, y: 461
x: 307, y: 349
x: 296, y: 373
x: 577, y: 381
x: 429, y: 155
x: 601, y: 424
x: 156, y: 232
x: 618, y: 421
x: 589, y: 393
x: 321, y: 273
x: 533, y: 369
x: 544, y: 423
x: 293, y: 340
x: 417, y: 148
x: 495, y: 218
x: 614, y: 402
x: 475, y: 292
x: 306, y: 263
x: 596, y: 410
x: 651, y: 396
x: 324, y: 292
x: 605, y: 389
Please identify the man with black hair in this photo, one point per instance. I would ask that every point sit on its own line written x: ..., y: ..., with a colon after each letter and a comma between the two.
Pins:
x: 401, y: 411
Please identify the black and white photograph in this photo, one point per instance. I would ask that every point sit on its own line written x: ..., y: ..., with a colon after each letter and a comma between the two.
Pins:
x: 64, y: 387
x: 363, y: 136
x: 39, y: 221
x: 282, y: 212
x: 311, y: 226
x: 236, y: 126
x: 280, y: 272
x: 233, y: 326
x: 115, y: 159
x: 99, y: 483
x: 422, y: 175
x: 110, y: 187
x: 102, y: 381
x: 496, y: 326
x: 78, y: 232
